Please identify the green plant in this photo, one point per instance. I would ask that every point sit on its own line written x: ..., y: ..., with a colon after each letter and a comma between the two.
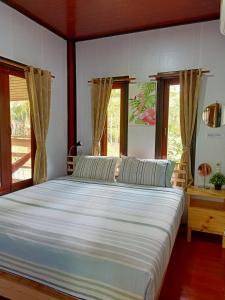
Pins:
x: 217, y: 179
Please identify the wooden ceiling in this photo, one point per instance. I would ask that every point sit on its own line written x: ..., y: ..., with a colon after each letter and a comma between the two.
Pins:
x: 87, y: 19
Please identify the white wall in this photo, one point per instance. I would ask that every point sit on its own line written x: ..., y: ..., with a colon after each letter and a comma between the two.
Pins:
x: 144, y: 53
x: 27, y: 42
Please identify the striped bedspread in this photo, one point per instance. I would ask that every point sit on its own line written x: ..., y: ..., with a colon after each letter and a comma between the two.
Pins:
x: 90, y: 240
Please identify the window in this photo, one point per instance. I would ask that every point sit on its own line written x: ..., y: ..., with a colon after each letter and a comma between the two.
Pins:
x: 114, y: 139
x: 16, y: 136
x: 168, y: 137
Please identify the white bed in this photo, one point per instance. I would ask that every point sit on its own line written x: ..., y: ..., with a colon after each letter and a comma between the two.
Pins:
x: 91, y: 240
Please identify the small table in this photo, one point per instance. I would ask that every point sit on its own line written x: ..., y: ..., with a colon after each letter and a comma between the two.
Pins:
x: 206, y: 215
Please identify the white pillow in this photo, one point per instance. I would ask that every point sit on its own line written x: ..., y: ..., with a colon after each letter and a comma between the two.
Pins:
x: 153, y: 172
x: 96, y: 168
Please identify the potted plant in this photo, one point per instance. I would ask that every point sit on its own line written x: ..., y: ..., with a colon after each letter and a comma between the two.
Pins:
x: 218, y: 179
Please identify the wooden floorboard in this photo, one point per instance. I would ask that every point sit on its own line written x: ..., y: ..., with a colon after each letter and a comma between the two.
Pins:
x: 196, y: 270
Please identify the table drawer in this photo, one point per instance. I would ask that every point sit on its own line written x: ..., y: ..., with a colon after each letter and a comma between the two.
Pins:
x: 206, y: 220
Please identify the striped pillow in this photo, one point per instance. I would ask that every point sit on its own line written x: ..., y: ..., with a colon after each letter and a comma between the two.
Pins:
x: 154, y: 172
x: 95, y: 167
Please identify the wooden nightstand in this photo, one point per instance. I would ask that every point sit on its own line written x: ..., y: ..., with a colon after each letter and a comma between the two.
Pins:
x: 206, y: 215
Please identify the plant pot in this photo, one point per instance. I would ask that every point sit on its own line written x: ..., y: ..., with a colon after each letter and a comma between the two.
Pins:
x: 218, y: 187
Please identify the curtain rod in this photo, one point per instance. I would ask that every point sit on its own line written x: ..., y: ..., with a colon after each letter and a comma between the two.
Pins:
x: 12, y: 63
x: 173, y: 73
x: 117, y: 79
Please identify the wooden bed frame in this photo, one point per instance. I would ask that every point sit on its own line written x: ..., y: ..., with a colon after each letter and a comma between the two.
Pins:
x: 15, y: 287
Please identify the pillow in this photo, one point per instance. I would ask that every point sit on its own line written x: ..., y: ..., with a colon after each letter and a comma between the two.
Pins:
x: 95, y: 167
x: 154, y: 172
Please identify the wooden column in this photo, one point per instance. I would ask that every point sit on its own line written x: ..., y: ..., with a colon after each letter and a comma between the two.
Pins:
x: 71, y: 79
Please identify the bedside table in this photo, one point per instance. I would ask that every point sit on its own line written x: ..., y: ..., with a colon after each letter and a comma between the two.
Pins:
x: 206, y: 215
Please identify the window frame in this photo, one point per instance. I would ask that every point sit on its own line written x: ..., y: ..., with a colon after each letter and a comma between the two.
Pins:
x: 7, y: 185
x: 162, y: 110
x: 124, y: 87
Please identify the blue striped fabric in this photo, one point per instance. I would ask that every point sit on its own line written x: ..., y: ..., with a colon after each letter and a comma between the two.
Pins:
x: 90, y: 240
x: 153, y: 172
x: 96, y: 167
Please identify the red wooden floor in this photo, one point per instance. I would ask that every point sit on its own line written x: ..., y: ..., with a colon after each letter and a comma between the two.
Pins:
x: 196, y: 270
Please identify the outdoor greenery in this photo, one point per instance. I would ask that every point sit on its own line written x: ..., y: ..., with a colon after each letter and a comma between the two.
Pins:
x: 20, y: 118
x: 174, y: 146
x: 113, y: 124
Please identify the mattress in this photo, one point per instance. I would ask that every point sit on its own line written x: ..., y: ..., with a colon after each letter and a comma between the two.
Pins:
x: 92, y: 240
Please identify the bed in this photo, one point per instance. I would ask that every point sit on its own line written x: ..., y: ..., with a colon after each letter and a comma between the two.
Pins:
x: 87, y: 239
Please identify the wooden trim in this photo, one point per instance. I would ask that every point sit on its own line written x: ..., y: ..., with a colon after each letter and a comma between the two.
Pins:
x: 124, y: 88
x: 152, y: 27
x: 14, y: 65
x: 165, y: 118
x: 118, y: 79
x: 162, y: 110
x: 71, y: 101
x: 5, y: 133
x: 173, y: 74
x: 159, y: 118
x: 17, y: 287
x: 124, y: 118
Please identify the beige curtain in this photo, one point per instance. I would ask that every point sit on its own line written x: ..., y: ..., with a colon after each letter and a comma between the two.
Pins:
x: 190, y: 81
x: 39, y: 91
x: 100, y: 95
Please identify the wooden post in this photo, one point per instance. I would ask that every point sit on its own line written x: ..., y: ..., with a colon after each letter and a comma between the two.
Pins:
x: 189, y: 228
x: 71, y: 71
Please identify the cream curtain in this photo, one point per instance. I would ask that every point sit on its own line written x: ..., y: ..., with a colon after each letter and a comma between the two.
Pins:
x: 39, y: 91
x: 190, y: 82
x: 100, y: 95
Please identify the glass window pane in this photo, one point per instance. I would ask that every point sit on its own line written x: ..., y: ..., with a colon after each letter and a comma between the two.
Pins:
x: 113, y: 124
x: 20, y: 129
x: 174, y: 146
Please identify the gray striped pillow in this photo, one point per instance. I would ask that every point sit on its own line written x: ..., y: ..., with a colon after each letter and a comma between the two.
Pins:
x: 95, y: 168
x: 146, y: 172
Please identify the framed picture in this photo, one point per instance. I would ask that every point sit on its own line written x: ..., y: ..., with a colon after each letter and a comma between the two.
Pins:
x: 142, y: 104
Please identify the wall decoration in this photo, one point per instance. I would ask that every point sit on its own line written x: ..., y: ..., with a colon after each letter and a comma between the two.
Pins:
x: 142, y: 104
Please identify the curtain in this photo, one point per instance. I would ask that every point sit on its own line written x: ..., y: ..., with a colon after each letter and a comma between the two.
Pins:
x: 39, y: 91
x: 190, y: 81
x: 100, y: 95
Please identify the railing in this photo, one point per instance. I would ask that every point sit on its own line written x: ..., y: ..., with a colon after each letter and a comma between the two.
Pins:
x: 21, y: 157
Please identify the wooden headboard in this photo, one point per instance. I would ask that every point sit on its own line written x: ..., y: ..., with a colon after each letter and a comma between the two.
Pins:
x: 70, y: 164
x: 179, y: 177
